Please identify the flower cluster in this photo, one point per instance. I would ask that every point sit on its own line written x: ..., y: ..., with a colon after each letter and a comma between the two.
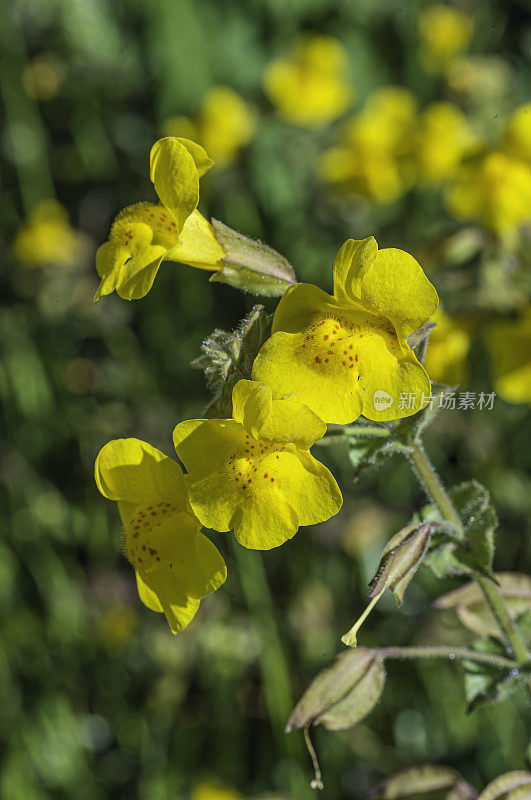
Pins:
x: 309, y: 86
x: 494, y: 187
x: 389, y: 146
x: 329, y: 359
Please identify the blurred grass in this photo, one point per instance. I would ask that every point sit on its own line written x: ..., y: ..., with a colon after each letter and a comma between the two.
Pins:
x: 99, y: 700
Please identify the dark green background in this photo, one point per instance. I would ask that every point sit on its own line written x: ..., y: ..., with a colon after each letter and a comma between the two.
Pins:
x: 85, y: 716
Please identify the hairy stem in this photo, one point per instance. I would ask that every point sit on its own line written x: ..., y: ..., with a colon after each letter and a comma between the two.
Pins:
x: 493, y: 597
x: 451, y: 653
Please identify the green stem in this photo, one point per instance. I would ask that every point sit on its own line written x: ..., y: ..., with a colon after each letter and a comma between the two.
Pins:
x: 273, y: 664
x: 460, y: 654
x: 494, y: 599
x: 433, y: 486
x: 350, y: 637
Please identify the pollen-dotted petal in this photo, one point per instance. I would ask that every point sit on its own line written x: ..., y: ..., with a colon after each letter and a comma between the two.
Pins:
x: 175, y: 564
x: 260, y: 487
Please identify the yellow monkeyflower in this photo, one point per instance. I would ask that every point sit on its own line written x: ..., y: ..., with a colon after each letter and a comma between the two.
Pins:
x: 445, y: 33
x: 211, y: 790
x: 443, y: 137
x: 309, y: 87
x: 225, y: 124
x: 254, y: 473
x: 510, y: 346
x: 347, y: 354
x: 175, y: 564
x: 47, y: 237
x: 371, y: 158
x: 518, y: 133
x: 447, y: 350
x: 494, y: 189
x: 145, y: 234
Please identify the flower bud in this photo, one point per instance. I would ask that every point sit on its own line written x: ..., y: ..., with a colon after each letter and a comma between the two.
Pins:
x: 250, y: 265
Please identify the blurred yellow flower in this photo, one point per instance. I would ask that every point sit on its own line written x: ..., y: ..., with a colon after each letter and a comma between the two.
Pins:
x: 510, y: 347
x: 371, y: 158
x: 445, y: 33
x: 145, y: 234
x: 447, y: 350
x: 347, y: 354
x: 47, y: 237
x: 175, y: 564
x: 225, y: 124
x: 518, y: 133
x: 42, y: 78
x: 494, y: 189
x: 116, y: 626
x: 254, y: 473
x: 442, y: 138
x: 309, y: 87
x: 211, y: 790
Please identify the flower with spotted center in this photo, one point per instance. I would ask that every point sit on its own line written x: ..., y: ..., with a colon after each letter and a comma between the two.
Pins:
x: 347, y: 354
x: 254, y: 473
x: 145, y: 234
x: 175, y: 564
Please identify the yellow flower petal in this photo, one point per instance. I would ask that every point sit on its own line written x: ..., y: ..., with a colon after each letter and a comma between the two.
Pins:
x: 147, y: 595
x: 274, y: 420
x: 389, y: 282
x: 265, y: 522
x: 129, y: 264
x: 206, y: 448
x: 134, y: 471
x: 311, y: 488
x: 298, y: 305
x: 175, y: 168
x: 197, y: 246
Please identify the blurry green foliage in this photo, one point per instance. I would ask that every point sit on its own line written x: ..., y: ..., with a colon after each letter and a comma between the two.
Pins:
x: 98, y: 699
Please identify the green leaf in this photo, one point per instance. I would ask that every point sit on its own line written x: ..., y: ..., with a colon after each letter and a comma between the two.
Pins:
x: 429, y: 782
x: 471, y: 553
x: 504, y: 785
x: 343, y: 693
x: 401, y: 558
x: 488, y: 684
x: 471, y: 607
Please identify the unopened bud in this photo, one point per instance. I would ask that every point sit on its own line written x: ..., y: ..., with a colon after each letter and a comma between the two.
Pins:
x: 251, y: 265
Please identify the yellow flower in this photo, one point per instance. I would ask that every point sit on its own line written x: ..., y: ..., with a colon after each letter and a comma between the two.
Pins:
x: 510, y: 346
x: 145, y: 234
x: 445, y: 33
x: 225, y: 124
x: 254, y: 473
x: 370, y: 159
x: 175, y: 564
x: 309, y: 87
x: 211, y: 790
x: 494, y: 189
x: 443, y: 137
x: 518, y: 133
x: 347, y: 354
x: 47, y: 237
x: 447, y: 350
